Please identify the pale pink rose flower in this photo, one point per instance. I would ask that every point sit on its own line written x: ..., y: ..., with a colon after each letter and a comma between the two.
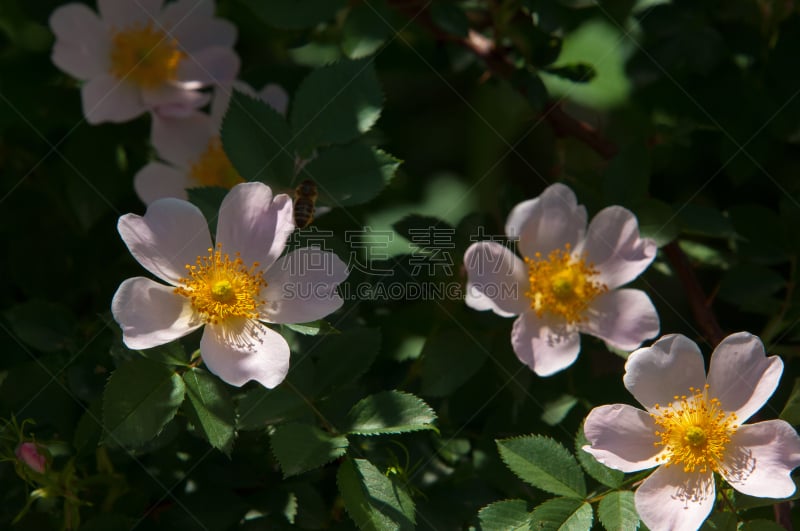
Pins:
x: 231, y: 287
x: 693, y: 426
x: 30, y: 454
x: 143, y: 55
x: 567, y: 281
x: 191, y: 148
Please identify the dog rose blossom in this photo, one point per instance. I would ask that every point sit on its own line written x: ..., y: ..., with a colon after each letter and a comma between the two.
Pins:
x: 694, y: 427
x: 143, y: 55
x: 567, y: 280
x: 231, y: 287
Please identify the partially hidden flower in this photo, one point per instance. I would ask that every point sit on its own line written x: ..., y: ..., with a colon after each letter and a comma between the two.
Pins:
x: 32, y: 456
x: 191, y: 148
x: 694, y: 427
x: 142, y: 55
x: 566, y: 282
x: 231, y: 287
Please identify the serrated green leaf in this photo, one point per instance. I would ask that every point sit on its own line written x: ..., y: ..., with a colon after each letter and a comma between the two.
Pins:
x: 761, y: 525
x: 720, y: 521
x: 172, y: 353
x: 450, y: 358
x: 365, y: 29
x: 335, y: 104
x: 607, y: 476
x: 350, y: 175
x: 562, y: 514
x: 506, y: 515
x: 295, y: 14
x: 303, y: 447
x: 390, y: 412
x: 257, y: 141
x: 543, y: 463
x: 373, y: 501
x: 210, y: 408
x: 791, y: 411
x: 346, y: 356
x: 617, y: 511
x: 140, y: 398
x: 555, y: 410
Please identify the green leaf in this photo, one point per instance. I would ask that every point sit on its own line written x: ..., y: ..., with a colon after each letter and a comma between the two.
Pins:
x: 543, y: 463
x: 257, y: 141
x: 373, y: 501
x: 761, y: 525
x: 656, y: 221
x: 365, y: 29
x: 208, y: 199
x: 555, y: 410
x: 303, y: 447
x: 575, y: 72
x: 506, y: 515
x: 314, y: 328
x: 295, y: 14
x: 607, y: 476
x: 260, y: 406
x: 210, y: 408
x: 720, y: 521
x: 350, y: 175
x: 704, y: 221
x: 413, y: 226
x: 169, y: 354
x: 336, y: 104
x: 450, y: 18
x: 345, y: 357
x: 617, y: 511
x: 744, y: 284
x: 140, y: 398
x: 562, y: 514
x: 390, y: 412
x: 45, y: 326
x: 449, y: 358
x: 791, y: 411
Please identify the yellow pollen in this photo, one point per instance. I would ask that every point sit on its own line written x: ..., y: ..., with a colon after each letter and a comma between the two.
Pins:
x: 220, y: 288
x: 145, y: 55
x: 213, y: 168
x: 694, y: 431
x: 562, y: 285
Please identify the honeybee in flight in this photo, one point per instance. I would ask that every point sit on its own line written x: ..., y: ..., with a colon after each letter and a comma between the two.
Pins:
x: 305, y: 195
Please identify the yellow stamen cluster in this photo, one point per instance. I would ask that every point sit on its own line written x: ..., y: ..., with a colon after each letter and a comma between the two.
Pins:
x: 562, y: 285
x: 695, y: 431
x: 220, y: 288
x: 213, y: 168
x: 145, y: 55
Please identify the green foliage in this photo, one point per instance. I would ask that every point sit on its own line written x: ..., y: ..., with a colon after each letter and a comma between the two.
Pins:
x: 373, y: 501
x: 543, y: 463
x: 295, y: 14
x: 791, y: 411
x: 366, y: 29
x: 555, y: 410
x: 172, y: 354
x: 506, y: 515
x: 45, y: 326
x: 450, y: 358
x: 302, y: 447
x: 140, y: 398
x: 450, y: 18
x: 390, y: 412
x: 617, y: 512
x: 343, y: 358
x: 562, y: 514
x: 607, y: 476
x: 210, y: 408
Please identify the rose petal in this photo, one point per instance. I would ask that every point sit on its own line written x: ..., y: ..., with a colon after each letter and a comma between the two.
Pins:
x: 548, y: 222
x: 174, y: 100
x: 170, y: 236
x: 760, y: 459
x: 655, y: 374
x: 120, y: 14
x: 254, y: 224
x: 622, y: 436
x: 151, y: 314
x: 214, y: 65
x: 82, y: 41
x: 192, y: 24
x: 182, y: 141
x: 301, y: 286
x: 106, y: 99
x: 243, y: 350
x: 741, y: 376
x: 622, y: 318
x: 276, y: 97
x: 496, y: 279
x: 671, y: 499
x: 157, y: 181
x: 615, y: 248
x: 544, y: 347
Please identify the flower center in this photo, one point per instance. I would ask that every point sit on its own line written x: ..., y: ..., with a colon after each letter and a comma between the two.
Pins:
x: 213, y: 168
x: 220, y: 288
x: 562, y: 285
x: 694, y: 431
x: 145, y: 55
